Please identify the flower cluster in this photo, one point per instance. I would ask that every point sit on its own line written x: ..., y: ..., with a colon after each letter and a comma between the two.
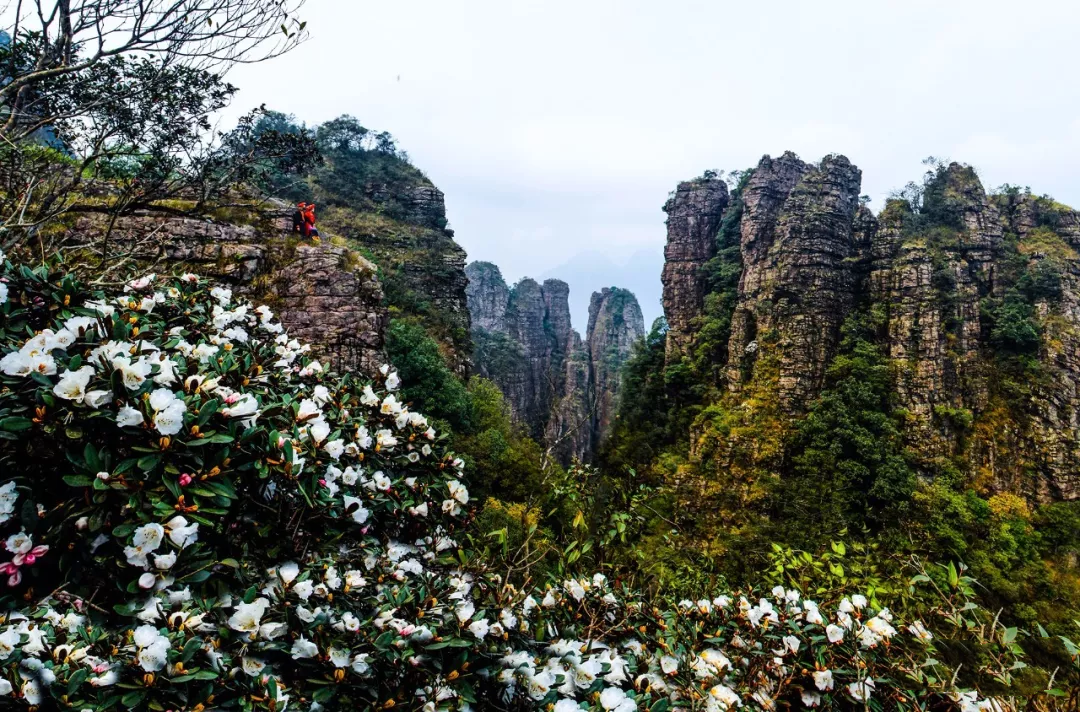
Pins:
x: 222, y: 522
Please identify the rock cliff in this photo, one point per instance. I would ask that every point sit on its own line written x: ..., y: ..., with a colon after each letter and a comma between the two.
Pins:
x: 420, y: 265
x: 694, y: 212
x: 615, y: 325
x: 979, y: 299
x: 801, y: 269
x: 326, y: 295
x: 561, y: 388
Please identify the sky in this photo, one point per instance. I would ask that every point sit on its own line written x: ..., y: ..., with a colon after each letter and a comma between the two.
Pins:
x: 557, y: 129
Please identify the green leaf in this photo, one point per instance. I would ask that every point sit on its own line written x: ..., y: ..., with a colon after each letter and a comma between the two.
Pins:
x: 90, y: 457
x: 132, y: 699
x: 76, y: 679
x: 149, y: 463
x: 78, y: 480
x: 15, y: 424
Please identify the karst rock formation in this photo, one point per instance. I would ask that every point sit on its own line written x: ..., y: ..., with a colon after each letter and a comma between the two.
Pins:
x: 812, y: 253
x: 563, y: 389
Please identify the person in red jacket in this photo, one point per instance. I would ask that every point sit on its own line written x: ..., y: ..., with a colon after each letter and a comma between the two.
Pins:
x: 309, y: 222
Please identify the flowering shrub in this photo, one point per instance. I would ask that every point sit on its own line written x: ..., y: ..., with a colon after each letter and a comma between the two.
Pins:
x: 197, y: 515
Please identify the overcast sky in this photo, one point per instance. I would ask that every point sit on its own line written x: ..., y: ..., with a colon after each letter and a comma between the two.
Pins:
x: 557, y: 128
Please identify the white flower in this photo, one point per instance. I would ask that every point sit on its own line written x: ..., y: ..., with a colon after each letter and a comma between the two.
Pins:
x: 722, y: 698
x: 72, y: 384
x: 823, y: 680
x: 615, y: 699
x: 304, y: 589
x: 166, y: 372
x: 164, y: 561
x: 308, y: 409
x: 168, y: 411
x: 392, y: 381
x: 381, y: 481
x: 3, y: 295
x: 360, y: 514
x: 16, y: 363
x: 458, y: 491
x: 918, y: 630
x: 859, y: 601
x: 288, y: 571
x: 479, y: 628
x: 147, y: 581
x: 111, y: 677
x: 181, y: 533
x: 340, y: 658
x: 9, y: 640
x: 128, y: 417
x: 146, y: 540
x: 834, y: 633
x: 335, y: 448
x: 252, y: 666
x: 20, y: 543
x: 810, y: 698
x: 97, y: 399
x: 350, y: 622
x: 154, y: 657
x: 385, y: 439
x: 319, y: 429
x: 861, y: 690
x: 270, y: 631
x: 224, y: 296
x: 8, y: 497
x: 243, y: 407
x: 247, y: 616
x: 669, y: 664
x: 303, y: 648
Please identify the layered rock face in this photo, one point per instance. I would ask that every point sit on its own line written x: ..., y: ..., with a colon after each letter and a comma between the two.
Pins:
x: 561, y: 388
x: 615, y: 325
x: 969, y: 286
x: 422, y: 267
x: 694, y: 213
x: 801, y: 268
x: 325, y: 295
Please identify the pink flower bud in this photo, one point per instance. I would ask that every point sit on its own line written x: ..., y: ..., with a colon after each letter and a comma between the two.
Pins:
x: 186, y: 479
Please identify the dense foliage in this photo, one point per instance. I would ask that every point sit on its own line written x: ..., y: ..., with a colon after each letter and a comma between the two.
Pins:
x: 199, y: 515
x: 741, y: 486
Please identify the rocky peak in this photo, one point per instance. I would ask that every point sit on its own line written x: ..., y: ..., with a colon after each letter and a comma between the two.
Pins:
x: 615, y: 325
x: 976, y: 293
x: 801, y: 271
x: 488, y: 296
x: 561, y: 388
x: 694, y: 213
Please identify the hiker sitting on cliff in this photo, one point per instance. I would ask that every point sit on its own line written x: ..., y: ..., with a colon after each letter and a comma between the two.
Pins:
x: 309, y: 222
x: 298, y: 220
